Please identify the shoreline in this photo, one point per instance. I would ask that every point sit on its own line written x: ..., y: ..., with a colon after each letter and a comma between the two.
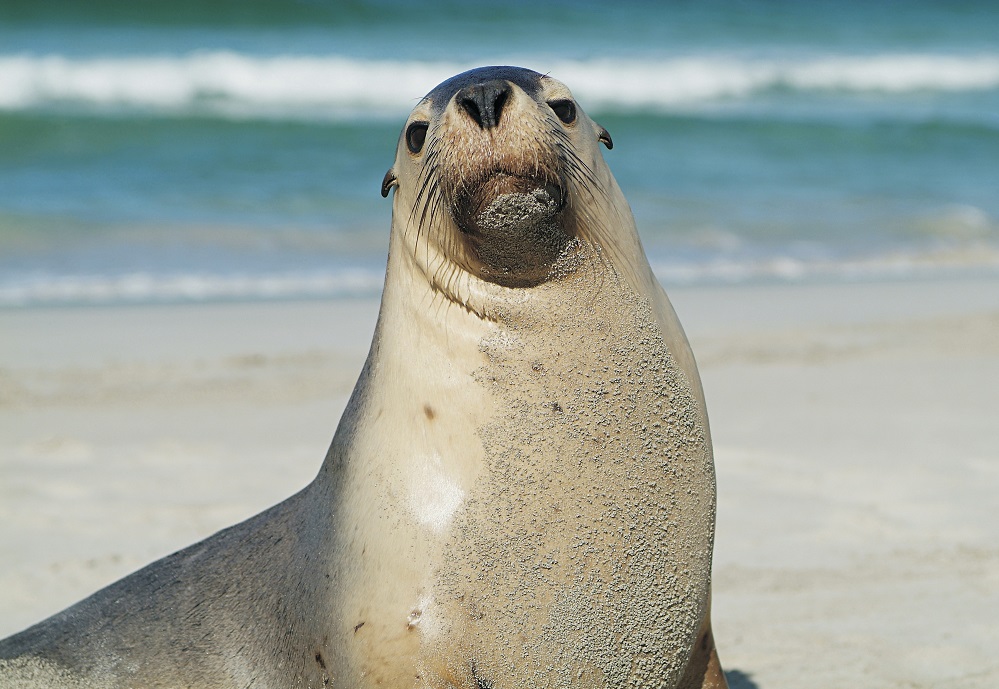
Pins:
x: 363, y: 281
x: 854, y: 430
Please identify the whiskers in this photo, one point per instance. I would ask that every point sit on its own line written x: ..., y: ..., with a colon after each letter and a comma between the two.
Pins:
x: 449, y: 191
x: 443, y: 255
x: 586, y: 195
x: 429, y: 202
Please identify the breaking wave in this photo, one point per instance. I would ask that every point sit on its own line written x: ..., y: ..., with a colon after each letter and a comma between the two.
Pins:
x: 146, y: 287
x: 236, y: 84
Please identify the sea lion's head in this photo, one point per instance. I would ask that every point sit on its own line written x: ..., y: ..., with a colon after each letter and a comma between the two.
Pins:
x: 498, y: 176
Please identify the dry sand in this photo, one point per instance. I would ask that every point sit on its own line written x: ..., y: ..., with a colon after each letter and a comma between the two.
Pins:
x: 856, y: 431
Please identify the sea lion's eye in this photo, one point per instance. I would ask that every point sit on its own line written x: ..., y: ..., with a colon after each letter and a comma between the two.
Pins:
x: 416, y: 136
x: 565, y: 109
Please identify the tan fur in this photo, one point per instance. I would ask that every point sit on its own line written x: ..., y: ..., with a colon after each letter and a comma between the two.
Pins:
x: 520, y: 492
x: 704, y: 669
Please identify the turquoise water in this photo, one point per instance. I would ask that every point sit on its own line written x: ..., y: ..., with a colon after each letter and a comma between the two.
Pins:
x: 189, y: 150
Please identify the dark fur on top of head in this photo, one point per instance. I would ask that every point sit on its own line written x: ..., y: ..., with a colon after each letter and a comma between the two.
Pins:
x: 528, y: 80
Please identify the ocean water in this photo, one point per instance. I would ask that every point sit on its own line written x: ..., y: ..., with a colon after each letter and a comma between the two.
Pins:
x: 154, y: 151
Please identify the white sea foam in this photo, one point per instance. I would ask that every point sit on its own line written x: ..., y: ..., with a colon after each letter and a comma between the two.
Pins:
x: 236, y: 84
x: 37, y: 289
x: 53, y: 289
x: 975, y: 258
x: 688, y: 81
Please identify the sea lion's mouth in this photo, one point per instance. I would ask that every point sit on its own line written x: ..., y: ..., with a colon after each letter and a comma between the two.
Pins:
x: 513, y: 227
x: 505, y: 200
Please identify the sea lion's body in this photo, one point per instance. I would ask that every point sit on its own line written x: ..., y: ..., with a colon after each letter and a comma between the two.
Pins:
x: 520, y: 492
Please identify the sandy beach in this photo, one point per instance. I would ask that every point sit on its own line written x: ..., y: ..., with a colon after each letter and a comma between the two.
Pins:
x: 856, y: 432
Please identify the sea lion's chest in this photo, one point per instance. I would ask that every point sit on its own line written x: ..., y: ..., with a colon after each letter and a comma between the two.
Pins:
x: 580, y: 553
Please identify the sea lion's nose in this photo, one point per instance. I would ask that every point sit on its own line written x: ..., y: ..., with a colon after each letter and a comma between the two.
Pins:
x: 484, y: 102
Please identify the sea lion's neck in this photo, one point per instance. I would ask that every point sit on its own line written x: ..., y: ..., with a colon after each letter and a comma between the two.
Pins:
x: 424, y: 352
x: 418, y: 318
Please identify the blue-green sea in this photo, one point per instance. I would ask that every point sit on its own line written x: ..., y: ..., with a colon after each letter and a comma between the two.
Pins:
x: 190, y: 150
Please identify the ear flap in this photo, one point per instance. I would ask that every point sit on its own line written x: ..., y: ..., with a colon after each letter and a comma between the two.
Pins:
x: 388, y: 182
x: 604, y: 137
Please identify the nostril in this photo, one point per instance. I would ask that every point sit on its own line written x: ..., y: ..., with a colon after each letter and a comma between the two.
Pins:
x: 472, y: 109
x: 499, y: 101
x: 484, y: 102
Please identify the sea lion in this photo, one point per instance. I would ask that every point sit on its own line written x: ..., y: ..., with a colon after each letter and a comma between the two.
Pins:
x: 521, y: 490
